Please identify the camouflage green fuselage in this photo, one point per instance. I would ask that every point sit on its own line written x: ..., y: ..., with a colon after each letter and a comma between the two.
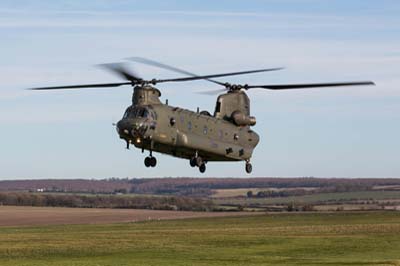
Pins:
x: 150, y: 125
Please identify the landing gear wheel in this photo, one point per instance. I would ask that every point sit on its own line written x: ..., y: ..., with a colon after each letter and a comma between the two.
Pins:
x: 192, y: 162
x: 147, y: 161
x: 249, y: 168
x: 202, y: 168
x: 153, y: 161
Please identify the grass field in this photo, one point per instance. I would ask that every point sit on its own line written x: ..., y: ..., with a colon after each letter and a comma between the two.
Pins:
x: 363, y: 238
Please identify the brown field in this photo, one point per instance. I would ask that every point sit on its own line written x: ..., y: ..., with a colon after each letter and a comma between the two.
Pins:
x: 25, y: 216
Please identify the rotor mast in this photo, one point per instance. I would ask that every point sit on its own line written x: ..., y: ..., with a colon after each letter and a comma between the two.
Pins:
x: 145, y: 95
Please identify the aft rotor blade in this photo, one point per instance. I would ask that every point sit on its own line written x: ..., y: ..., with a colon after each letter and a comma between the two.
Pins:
x: 120, y: 70
x: 212, y: 92
x: 168, y: 67
x: 217, y: 75
x: 82, y: 86
x: 309, y: 85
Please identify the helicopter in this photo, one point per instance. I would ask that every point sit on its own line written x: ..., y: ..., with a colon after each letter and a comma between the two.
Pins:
x: 198, y: 136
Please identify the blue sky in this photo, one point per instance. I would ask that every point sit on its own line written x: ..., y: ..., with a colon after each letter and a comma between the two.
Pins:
x: 341, y: 132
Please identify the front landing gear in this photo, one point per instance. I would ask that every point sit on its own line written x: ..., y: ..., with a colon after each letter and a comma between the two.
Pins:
x: 150, y: 161
x: 249, y: 167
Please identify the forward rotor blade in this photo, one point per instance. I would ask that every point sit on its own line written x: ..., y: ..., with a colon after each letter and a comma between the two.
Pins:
x: 99, y: 85
x: 195, y: 76
x: 217, y: 75
x: 310, y: 85
x: 160, y: 65
x: 168, y: 67
x: 119, y: 69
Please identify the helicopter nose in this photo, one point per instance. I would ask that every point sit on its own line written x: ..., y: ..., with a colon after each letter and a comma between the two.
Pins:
x: 128, y: 128
x: 124, y: 128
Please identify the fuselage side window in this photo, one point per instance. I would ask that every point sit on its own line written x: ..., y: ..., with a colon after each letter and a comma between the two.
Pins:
x: 218, y: 107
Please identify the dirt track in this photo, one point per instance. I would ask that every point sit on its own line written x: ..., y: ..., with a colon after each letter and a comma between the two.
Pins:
x: 18, y: 216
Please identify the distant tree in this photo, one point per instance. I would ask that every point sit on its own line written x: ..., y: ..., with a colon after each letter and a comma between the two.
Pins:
x: 120, y: 191
x: 261, y: 194
x: 291, y: 207
x: 249, y: 194
x: 340, y: 208
x: 307, y: 208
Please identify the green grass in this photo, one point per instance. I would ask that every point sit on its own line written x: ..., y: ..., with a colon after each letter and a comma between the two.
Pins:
x: 314, y: 198
x: 368, y: 238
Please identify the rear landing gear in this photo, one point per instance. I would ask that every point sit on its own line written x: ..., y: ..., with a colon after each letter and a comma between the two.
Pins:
x: 192, y: 162
x: 249, y: 167
x: 199, y: 162
x: 202, y: 167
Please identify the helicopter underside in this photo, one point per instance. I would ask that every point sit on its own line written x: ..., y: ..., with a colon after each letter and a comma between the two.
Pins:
x: 197, y: 158
x: 186, y: 152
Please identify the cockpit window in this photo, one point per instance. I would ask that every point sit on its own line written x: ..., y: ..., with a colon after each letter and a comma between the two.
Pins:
x: 126, y: 114
x: 139, y: 112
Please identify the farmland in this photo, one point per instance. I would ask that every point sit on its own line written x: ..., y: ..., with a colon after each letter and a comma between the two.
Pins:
x: 339, y: 238
x: 25, y: 216
x: 208, y: 194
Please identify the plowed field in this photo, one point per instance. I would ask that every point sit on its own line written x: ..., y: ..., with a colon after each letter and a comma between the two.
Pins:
x: 17, y: 216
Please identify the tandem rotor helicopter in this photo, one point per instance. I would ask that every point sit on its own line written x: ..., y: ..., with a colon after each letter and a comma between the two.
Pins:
x: 200, y: 137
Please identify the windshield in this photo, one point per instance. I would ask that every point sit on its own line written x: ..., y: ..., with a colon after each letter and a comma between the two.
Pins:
x: 138, y: 112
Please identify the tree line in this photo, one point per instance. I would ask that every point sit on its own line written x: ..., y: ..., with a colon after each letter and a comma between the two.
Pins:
x: 200, y: 187
x: 105, y: 201
x: 271, y: 193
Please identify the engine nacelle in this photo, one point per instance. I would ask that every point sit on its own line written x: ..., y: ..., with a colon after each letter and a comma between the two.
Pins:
x: 241, y: 119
